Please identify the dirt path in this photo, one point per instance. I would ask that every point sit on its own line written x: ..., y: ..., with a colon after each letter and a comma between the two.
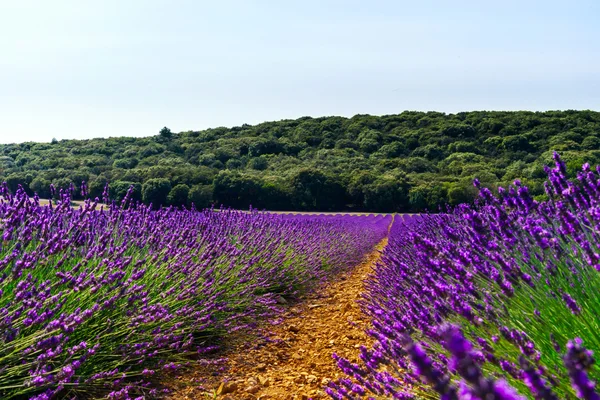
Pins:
x: 292, y: 361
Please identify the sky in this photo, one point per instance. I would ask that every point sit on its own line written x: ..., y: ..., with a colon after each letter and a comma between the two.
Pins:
x: 84, y: 69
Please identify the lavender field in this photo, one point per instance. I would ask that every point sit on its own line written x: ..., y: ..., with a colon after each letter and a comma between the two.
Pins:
x: 494, y: 301
x: 100, y: 302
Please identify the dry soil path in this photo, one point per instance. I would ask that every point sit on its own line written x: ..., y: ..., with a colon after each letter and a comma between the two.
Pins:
x: 293, y: 360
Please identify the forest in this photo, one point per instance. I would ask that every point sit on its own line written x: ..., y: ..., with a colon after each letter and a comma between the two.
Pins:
x: 409, y: 162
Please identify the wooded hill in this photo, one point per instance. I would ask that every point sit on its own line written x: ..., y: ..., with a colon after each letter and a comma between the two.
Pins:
x: 406, y: 162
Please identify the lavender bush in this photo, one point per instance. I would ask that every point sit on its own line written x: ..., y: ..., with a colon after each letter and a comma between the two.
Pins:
x: 97, y: 302
x: 492, y: 301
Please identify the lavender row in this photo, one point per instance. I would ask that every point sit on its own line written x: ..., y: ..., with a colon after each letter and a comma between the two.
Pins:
x: 98, y: 301
x: 491, y: 301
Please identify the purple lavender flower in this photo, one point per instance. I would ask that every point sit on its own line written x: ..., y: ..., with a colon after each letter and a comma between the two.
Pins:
x: 425, y: 368
x: 571, y: 303
x: 578, y: 360
x: 534, y: 380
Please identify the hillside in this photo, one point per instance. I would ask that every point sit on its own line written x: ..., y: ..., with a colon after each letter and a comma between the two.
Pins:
x: 406, y: 162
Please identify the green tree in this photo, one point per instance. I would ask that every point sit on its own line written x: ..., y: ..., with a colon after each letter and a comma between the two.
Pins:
x: 258, y: 163
x: 417, y: 197
x: 118, y: 190
x: 233, y: 164
x: 461, y: 192
x: 96, y: 187
x: 200, y: 196
x: 516, y: 143
x: 155, y: 191
x: 591, y: 143
x: 312, y: 190
x: 274, y: 195
x: 41, y: 186
x: 236, y: 190
x: 308, y: 188
x: 165, y: 133
x: 178, y: 196
x: 18, y: 178
x: 125, y: 163
x: 387, y: 194
x: 357, y: 188
x: 427, y: 197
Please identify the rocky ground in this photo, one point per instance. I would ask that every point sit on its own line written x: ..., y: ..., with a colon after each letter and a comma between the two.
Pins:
x: 291, y: 360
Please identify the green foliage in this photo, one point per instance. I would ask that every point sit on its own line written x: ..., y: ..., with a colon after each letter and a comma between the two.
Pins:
x: 460, y: 192
x: 329, y: 163
x: 313, y: 190
x: 200, y: 196
x: 427, y: 197
x: 387, y: 194
x: 235, y: 190
x: 118, y: 190
x: 258, y: 163
x: 165, y: 133
x: 591, y: 143
x: 178, y: 195
x: 125, y: 163
x: 155, y: 191
x: 516, y: 143
x: 41, y: 186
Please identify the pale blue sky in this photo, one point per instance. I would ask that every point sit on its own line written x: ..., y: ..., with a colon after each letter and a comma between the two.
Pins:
x: 82, y: 69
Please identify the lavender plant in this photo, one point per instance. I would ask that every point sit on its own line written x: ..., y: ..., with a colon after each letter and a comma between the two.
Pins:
x: 520, y: 277
x: 98, y: 301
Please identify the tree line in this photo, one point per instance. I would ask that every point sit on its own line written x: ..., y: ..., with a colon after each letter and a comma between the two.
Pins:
x: 407, y: 162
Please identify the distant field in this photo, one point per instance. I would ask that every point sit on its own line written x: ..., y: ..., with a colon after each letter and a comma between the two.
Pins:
x: 327, y: 213
x: 79, y: 202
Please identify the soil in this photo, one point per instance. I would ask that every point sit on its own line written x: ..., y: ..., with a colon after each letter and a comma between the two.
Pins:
x: 291, y: 360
